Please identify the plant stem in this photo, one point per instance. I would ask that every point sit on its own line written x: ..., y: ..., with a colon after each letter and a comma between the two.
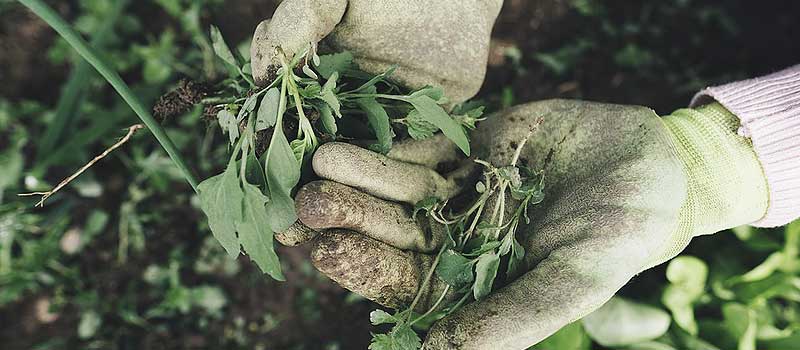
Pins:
x: 425, y: 281
x: 57, y: 23
x: 434, y: 307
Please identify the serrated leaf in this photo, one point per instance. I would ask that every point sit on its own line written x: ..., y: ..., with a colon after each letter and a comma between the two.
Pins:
x: 454, y: 269
x: 417, y: 127
x: 401, y: 337
x: 379, y: 123
x: 221, y: 201
x: 283, y: 173
x: 255, y: 233
x: 434, y: 114
x: 221, y: 48
x: 338, y: 62
x: 267, y: 114
x: 485, y: 273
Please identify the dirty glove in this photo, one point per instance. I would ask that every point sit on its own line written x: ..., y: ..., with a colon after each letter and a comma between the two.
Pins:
x: 625, y: 190
x: 440, y: 43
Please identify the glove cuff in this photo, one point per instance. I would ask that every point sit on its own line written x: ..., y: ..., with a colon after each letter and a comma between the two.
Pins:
x: 769, y: 110
x: 725, y: 181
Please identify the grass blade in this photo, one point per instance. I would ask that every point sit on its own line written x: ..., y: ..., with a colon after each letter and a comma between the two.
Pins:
x: 59, y: 25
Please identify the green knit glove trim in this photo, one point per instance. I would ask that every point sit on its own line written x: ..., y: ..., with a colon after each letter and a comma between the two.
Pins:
x: 726, y: 184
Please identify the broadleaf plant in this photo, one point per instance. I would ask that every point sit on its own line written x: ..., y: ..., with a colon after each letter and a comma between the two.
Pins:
x: 312, y: 99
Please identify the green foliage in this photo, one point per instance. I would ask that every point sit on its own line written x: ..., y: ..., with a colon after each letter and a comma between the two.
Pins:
x: 320, y: 90
x: 477, y: 243
x: 620, y: 322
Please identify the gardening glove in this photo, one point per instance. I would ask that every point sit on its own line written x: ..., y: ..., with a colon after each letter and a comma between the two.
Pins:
x: 625, y: 190
x: 440, y: 43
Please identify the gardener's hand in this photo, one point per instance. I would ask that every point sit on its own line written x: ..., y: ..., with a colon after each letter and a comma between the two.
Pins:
x: 443, y: 43
x: 625, y: 190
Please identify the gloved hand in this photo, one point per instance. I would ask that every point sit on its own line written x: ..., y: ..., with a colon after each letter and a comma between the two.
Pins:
x: 442, y: 43
x: 625, y: 190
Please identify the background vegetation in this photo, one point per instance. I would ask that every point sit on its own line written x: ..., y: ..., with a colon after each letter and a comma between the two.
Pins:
x: 123, y: 258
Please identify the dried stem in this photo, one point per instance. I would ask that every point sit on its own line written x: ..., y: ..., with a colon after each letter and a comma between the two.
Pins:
x: 131, y: 130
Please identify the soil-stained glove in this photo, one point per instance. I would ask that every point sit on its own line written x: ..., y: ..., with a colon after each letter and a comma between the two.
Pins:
x: 625, y: 190
x: 442, y: 43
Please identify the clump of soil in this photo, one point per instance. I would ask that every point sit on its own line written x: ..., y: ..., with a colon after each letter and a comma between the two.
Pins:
x: 179, y: 100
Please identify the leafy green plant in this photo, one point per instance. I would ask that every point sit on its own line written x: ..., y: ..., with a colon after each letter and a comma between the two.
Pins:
x: 253, y: 197
x: 468, y: 263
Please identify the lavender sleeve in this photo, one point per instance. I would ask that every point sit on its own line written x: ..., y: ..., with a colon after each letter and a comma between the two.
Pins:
x: 769, y: 110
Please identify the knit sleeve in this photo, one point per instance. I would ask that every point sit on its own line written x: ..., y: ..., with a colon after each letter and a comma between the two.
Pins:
x: 769, y: 110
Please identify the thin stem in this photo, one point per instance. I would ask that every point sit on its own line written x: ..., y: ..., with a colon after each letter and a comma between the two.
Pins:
x: 131, y: 130
x: 425, y: 281
x: 57, y: 23
x: 435, y: 305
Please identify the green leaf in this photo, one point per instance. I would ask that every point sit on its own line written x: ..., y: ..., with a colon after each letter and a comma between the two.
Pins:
x: 221, y: 48
x: 741, y: 323
x: 425, y: 205
x: 402, y: 337
x: 434, y: 114
x: 369, y: 85
x: 419, y: 128
x: 485, y: 272
x: 569, y: 337
x: 338, y: 62
x: 379, y: 122
x: 255, y: 233
x: 687, y: 276
x: 454, y: 269
x: 283, y: 173
x: 221, y: 200
x: 247, y: 107
x: 267, y: 114
x: 227, y: 122
x: 434, y: 92
x: 327, y: 119
x: 378, y: 317
x: 620, y: 322
x: 329, y: 96
x: 299, y: 149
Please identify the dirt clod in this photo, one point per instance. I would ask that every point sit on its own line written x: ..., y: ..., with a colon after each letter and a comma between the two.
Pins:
x: 179, y: 100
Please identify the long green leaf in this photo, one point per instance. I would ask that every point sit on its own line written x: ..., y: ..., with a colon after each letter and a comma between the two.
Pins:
x: 379, y: 122
x: 57, y: 23
x: 74, y: 91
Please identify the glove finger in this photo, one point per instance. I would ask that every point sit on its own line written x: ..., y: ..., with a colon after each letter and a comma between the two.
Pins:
x: 379, y: 175
x: 436, y: 152
x: 295, y: 235
x: 375, y: 270
x: 326, y: 204
x: 295, y: 24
